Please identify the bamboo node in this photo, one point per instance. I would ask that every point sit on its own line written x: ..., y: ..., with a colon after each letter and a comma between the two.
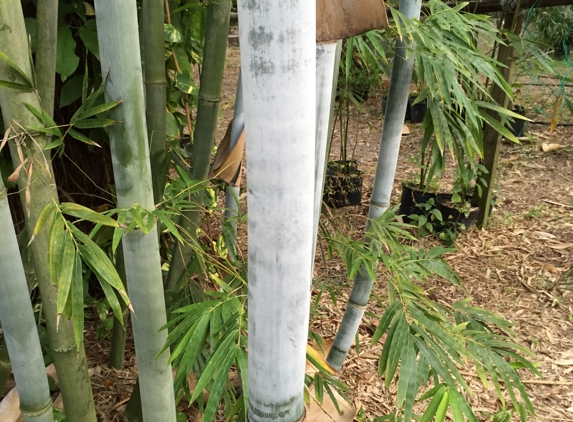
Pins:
x: 36, y: 413
x: 356, y: 306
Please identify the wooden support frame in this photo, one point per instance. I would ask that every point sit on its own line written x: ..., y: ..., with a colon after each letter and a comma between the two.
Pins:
x: 491, y: 138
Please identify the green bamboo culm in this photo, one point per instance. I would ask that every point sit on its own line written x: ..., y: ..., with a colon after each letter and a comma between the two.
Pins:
x: 155, y: 114
x: 382, y: 188
x: 119, y: 334
x: 19, y: 326
x: 47, y: 33
x: 120, y: 60
x: 153, y: 44
x: 218, y: 14
x: 71, y: 364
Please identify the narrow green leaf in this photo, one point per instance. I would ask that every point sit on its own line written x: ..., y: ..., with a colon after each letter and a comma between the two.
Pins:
x: 14, y: 66
x: 56, y: 251
x: 109, y: 293
x: 82, y: 138
x: 77, y: 210
x: 217, y: 359
x: 244, y: 371
x: 385, y: 322
x: 15, y: 85
x: 433, y: 406
x: 94, y: 123
x: 47, y: 214
x: 216, y: 392
x: 78, y: 302
x: 96, y: 258
x: 65, y: 279
x: 442, y: 408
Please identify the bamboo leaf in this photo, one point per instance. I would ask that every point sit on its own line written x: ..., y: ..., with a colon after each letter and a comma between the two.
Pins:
x: 47, y: 215
x: 399, y: 343
x: 118, y: 232
x: 14, y: 66
x: 443, y: 407
x: 65, y: 279
x: 56, y: 251
x: 77, y: 210
x: 244, y: 371
x: 216, y: 391
x: 96, y: 258
x: 78, y: 302
x: 15, y: 85
x: 225, y: 348
x: 94, y: 123
x: 82, y: 138
x: 109, y: 293
x: 434, y: 405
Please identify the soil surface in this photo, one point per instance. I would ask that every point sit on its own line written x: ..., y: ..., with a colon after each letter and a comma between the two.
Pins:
x: 519, y: 267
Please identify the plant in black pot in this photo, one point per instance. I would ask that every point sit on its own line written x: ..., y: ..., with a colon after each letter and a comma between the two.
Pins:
x: 362, y: 61
x: 343, y: 183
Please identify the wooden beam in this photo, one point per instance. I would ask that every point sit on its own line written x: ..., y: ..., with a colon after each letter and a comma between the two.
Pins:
x: 491, y: 138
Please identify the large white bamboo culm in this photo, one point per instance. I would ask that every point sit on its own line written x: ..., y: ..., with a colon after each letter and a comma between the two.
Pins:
x: 383, y: 182
x: 19, y: 326
x: 232, y: 192
x: 278, y: 63
x: 119, y: 53
x: 327, y: 64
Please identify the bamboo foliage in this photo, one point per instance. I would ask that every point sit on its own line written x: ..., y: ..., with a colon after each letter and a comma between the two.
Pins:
x: 19, y: 326
x: 119, y: 53
x: 204, y: 135
x: 37, y: 187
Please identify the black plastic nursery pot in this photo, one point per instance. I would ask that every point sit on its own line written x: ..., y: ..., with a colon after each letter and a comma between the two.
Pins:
x: 412, y: 197
x: 518, y: 126
x: 414, y: 112
x: 343, y: 184
x: 417, y: 111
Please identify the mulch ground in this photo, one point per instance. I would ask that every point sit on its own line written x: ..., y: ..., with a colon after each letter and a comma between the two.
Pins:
x: 517, y: 267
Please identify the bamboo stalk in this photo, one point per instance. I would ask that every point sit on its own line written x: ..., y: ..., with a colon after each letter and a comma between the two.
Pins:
x: 383, y: 182
x: 46, y: 43
x: 118, y: 336
x: 278, y: 67
x: 155, y: 97
x: 38, y: 189
x: 232, y: 192
x: 19, y: 326
x: 327, y: 66
x: 204, y: 134
x: 119, y: 53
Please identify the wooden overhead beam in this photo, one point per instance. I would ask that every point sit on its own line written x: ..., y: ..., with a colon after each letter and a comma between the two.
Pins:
x: 490, y: 6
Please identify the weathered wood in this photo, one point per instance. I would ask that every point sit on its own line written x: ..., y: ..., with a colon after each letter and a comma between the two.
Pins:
x: 491, y: 138
x: 338, y: 19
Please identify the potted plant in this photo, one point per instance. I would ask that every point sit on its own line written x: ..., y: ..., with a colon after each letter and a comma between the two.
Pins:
x: 361, y: 63
x: 343, y: 183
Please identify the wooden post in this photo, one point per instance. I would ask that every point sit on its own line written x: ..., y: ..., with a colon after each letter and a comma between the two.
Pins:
x: 491, y: 138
